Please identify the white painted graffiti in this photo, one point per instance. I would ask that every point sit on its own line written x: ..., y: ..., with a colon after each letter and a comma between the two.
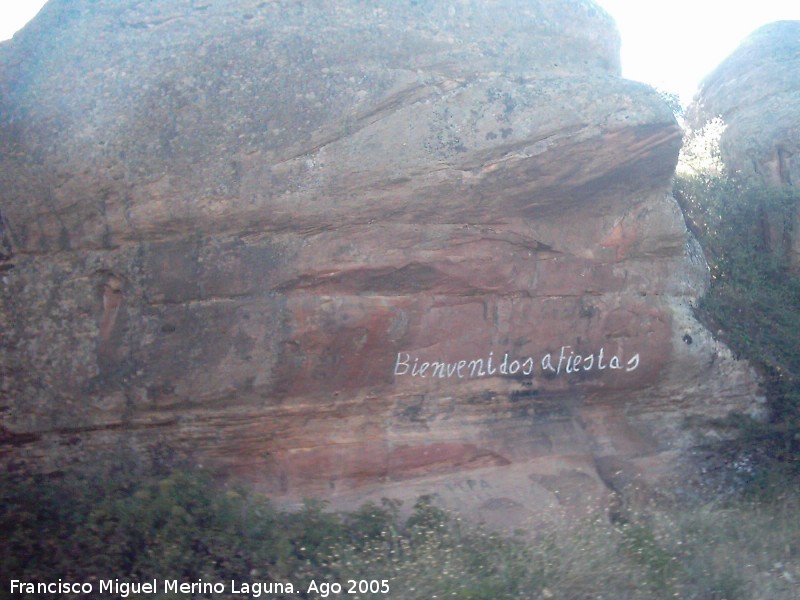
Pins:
x: 566, y: 361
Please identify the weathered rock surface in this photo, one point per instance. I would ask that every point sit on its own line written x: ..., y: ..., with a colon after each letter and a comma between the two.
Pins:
x: 756, y: 91
x: 306, y: 245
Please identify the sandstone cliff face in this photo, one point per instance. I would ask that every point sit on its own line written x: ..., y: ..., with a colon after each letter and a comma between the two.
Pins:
x: 350, y: 250
x: 756, y: 91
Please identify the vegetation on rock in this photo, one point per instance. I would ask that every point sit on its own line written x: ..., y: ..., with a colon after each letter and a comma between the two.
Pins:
x: 753, y: 302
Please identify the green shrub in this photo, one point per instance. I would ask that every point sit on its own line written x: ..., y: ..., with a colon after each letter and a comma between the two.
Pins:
x: 181, y: 524
x: 754, y: 298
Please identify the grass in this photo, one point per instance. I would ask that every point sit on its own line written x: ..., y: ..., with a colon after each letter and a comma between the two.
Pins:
x: 136, y: 525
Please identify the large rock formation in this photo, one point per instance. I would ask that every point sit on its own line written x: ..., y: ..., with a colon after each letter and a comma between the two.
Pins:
x: 350, y: 249
x: 756, y: 92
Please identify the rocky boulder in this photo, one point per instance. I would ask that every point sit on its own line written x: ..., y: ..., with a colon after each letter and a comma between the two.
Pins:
x: 756, y: 92
x: 350, y: 250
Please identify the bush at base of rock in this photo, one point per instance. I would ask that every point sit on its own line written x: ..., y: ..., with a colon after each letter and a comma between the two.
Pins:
x: 136, y: 527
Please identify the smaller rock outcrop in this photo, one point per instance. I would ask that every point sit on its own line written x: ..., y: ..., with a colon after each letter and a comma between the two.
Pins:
x: 756, y: 92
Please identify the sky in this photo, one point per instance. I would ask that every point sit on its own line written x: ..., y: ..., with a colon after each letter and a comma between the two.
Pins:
x: 674, y: 44
x: 670, y: 44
